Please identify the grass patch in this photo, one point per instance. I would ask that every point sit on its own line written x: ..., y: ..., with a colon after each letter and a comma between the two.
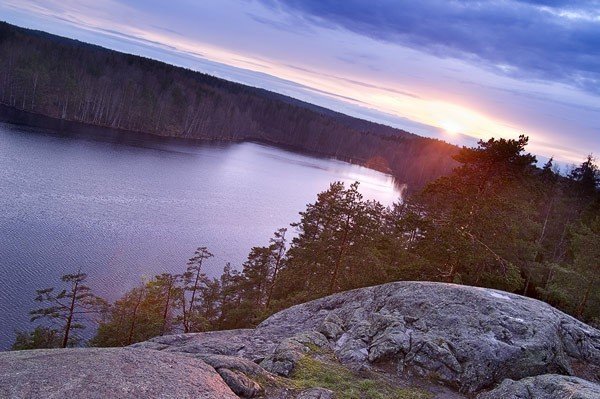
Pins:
x: 314, y: 348
x: 312, y: 373
x: 274, y: 382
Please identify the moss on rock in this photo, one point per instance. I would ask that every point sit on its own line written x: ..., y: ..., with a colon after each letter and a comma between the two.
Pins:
x: 346, y: 383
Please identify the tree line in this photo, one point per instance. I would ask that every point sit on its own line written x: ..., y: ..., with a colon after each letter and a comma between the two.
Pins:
x: 67, y: 79
x: 497, y: 221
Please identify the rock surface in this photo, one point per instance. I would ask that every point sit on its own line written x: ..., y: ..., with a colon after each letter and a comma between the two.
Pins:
x: 316, y: 393
x: 547, y: 386
x: 467, y: 338
x: 471, y: 340
x: 107, y: 373
x: 240, y: 384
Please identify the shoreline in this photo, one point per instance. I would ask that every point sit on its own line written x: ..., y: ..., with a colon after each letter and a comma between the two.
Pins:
x: 71, y: 128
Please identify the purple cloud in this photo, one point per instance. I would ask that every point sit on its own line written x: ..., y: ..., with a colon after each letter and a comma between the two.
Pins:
x: 549, y: 40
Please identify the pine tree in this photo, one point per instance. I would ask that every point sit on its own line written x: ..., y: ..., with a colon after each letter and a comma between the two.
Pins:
x: 586, y: 177
x: 585, y: 244
x: 277, y: 250
x: 40, y: 338
x: 193, y: 279
x: 339, y: 243
x: 165, y: 289
x: 70, y: 308
x: 480, y: 218
x: 146, y: 311
x: 233, y: 311
x: 255, y: 279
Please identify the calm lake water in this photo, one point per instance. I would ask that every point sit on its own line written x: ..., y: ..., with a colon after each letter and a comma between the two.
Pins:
x: 120, y: 212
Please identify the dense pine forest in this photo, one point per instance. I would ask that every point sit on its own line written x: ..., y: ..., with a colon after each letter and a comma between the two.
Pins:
x: 66, y: 79
x: 497, y: 221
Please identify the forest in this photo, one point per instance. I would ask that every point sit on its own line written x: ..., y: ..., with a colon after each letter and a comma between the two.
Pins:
x: 496, y: 221
x: 70, y: 80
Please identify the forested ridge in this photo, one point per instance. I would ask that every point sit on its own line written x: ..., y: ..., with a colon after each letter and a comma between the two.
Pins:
x: 71, y: 80
x: 496, y: 221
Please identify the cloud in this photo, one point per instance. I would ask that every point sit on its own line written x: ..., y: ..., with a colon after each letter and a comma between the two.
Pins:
x: 418, y: 80
x: 549, y: 40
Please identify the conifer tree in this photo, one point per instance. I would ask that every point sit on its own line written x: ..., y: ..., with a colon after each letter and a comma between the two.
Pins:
x: 146, y: 311
x: 338, y: 246
x: 480, y: 218
x: 132, y: 318
x: 585, y: 243
x: 278, y: 248
x: 70, y: 307
x: 40, y: 338
x: 586, y: 177
x: 193, y: 279
x: 165, y: 289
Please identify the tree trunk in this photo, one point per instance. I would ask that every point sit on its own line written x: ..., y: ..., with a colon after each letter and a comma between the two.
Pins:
x: 166, y: 310
x: 70, y: 317
x: 527, y: 281
x: 452, y: 273
x: 338, y: 261
x: 584, y: 300
x: 195, y: 287
x: 549, y: 277
x: 133, y: 318
x: 35, y: 82
x: 275, y: 272
x: 186, y: 327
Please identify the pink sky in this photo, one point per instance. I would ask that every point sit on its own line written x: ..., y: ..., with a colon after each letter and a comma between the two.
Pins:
x: 455, y: 74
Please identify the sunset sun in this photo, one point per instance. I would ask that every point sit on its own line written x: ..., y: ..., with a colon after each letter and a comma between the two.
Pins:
x: 451, y: 127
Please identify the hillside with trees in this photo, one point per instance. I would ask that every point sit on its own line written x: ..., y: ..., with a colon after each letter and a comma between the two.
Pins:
x: 497, y: 221
x: 69, y: 80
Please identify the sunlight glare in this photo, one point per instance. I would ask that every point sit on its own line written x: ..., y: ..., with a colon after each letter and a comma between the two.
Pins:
x: 451, y: 127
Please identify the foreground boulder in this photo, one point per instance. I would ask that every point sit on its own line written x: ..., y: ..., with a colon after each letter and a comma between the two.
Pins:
x: 406, y: 339
x: 107, y: 373
x: 547, y: 386
x: 467, y: 338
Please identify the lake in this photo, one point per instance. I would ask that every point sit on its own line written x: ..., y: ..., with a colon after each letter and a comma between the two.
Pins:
x: 121, y: 212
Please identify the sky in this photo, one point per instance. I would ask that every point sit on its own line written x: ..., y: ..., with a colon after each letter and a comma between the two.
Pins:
x: 454, y: 70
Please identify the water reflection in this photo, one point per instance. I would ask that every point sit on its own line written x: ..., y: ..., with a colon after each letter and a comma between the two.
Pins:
x: 123, y: 209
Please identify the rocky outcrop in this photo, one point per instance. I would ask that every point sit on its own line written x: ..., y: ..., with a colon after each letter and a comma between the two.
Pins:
x: 240, y: 383
x: 471, y: 340
x: 107, y: 373
x: 467, y: 338
x: 547, y: 386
